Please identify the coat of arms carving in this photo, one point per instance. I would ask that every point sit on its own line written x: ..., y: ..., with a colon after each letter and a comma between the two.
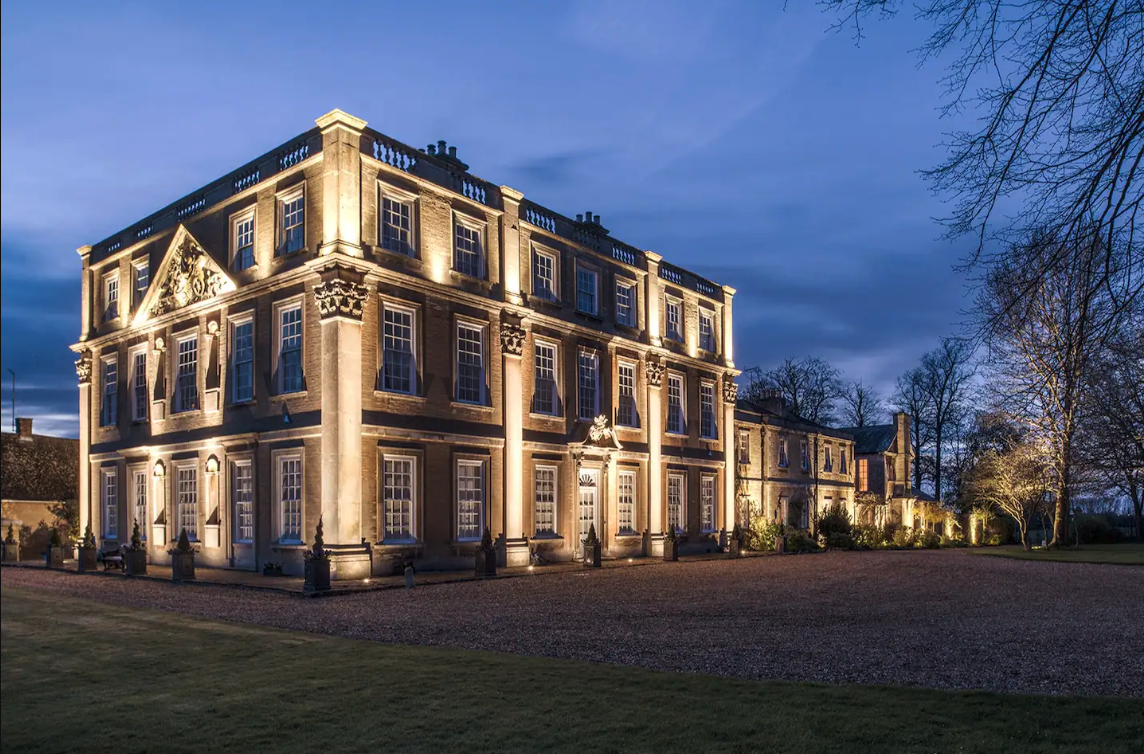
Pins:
x: 187, y: 276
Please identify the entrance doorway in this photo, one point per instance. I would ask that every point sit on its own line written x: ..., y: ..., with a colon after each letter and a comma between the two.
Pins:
x: 588, y: 508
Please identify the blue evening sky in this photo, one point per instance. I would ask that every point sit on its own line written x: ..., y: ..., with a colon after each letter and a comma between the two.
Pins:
x: 741, y: 140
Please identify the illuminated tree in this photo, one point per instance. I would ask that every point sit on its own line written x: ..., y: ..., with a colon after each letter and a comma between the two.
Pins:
x: 1015, y: 481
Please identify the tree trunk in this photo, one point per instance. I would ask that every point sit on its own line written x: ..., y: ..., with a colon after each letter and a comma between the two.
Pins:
x: 1061, y: 522
x: 1138, y: 514
x: 937, y: 466
x: 1025, y: 538
x: 916, y: 431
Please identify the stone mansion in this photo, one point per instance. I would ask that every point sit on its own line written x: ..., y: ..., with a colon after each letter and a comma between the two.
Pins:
x: 352, y: 329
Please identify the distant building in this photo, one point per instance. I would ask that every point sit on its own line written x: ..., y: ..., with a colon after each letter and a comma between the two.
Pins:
x: 37, y: 474
x: 789, y: 469
x: 884, y: 463
x: 351, y: 328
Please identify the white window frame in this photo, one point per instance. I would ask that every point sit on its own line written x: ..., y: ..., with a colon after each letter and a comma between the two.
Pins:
x: 784, y: 453
x: 538, y: 505
x: 626, y: 315
x: 475, y: 226
x: 587, y: 364
x: 285, y: 535
x: 280, y: 310
x: 539, y: 347
x: 240, y: 533
x: 680, y: 506
x: 621, y: 419
x: 139, y: 403
x: 669, y: 303
x: 707, y: 510
x: 139, y: 493
x: 707, y: 340
x: 180, y: 404
x: 385, y: 498
x: 681, y: 379
x: 385, y: 192
x: 470, y: 463
x: 112, y: 291
x: 181, y: 519
x: 708, y: 420
x: 626, y: 500
x: 237, y: 219
x: 109, y: 496
x: 284, y: 198
x: 804, y: 453
x: 109, y: 390
x: 140, y: 268
x: 744, y: 449
x: 585, y: 269
x: 482, y: 330
x: 553, y: 259
x: 235, y: 322
x: 412, y: 367
x: 828, y: 459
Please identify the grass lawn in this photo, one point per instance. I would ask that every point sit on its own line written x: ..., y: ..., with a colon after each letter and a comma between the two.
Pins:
x: 85, y: 676
x: 1124, y: 554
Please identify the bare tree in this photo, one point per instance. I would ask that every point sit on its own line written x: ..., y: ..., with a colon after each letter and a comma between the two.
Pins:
x: 809, y: 386
x: 912, y: 397
x: 1056, y: 312
x: 861, y: 405
x: 1014, y: 481
x: 1112, y: 442
x: 947, y: 372
x: 1059, y: 87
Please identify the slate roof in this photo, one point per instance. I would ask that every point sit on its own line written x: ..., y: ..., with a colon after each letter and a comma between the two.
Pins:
x: 38, y: 468
x: 789, y: 419
x: 876, y: 438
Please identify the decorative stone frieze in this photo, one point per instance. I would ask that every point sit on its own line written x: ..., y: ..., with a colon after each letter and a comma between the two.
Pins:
x: 83, y: 368
x: 190, y: 276
x: 654, y: 372
x: 730, y: 389
x: 340, y: 298
x: 512, y: 338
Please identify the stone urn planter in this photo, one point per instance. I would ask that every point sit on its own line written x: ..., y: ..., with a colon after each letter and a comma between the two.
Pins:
x: 670, y: 545
x: 485, y: 561
x: 317, y: 564
x: 54, y: 555
x: 11, y: 546
x: 135, y: 556
x: 182, y: 559
x: 88, y: 559
x: 592, y: 548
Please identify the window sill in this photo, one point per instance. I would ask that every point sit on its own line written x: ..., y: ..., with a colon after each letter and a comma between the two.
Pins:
x: 627, y: 427
x: 412, y: 397
x: 288, y: 396
x: 282, y: 254
x: 548, y: 537
x: 403, y: 544
x: 475, y: 406
x: 186, y: 413
x: 241, y: 404
x: 627, y: 534
x: 545, y: 417
x: 676, y: 434
x: 590, y: 315
x: 544, y: 302
x: 464, y: 278
x: 631, y: 329
x: 288, y: 547
x: 411, y: 259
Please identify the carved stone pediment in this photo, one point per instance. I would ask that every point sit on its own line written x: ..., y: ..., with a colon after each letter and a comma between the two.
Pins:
x: 187, y: 275
x: 512, y: 338
x: 83, y: 368
x: 730, y: 389
x: 338, y: 297
x: 654, y: 371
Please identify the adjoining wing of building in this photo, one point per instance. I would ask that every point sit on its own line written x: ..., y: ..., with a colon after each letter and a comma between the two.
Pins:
x: 351, y: 329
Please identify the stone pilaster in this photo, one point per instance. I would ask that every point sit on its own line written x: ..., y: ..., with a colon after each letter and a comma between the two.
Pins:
x: 730, y: 396
x: 653, y: 371
x: 513, y: 337
x: 510, y: 235
x: 341, y: 183
x: 652, y: 297
x: 340, y: 300
x: 728, y: 329
x: 83, y: 373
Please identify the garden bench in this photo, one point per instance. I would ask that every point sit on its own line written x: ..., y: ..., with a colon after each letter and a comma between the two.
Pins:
x: 111, y: 559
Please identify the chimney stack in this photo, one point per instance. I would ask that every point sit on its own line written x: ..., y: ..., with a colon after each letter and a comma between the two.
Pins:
x: 24, y: 428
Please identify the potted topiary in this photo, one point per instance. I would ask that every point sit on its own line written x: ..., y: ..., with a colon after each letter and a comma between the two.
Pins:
x: 88, y: 552
x: 182, y: 559
x: 135, y: 556
x: 54, y: 557
x: 735, y: 546
x: 317, y: 563
x: 592, y: 548
x: 485, y: 562
x: 11, y: 546
x: 670, y: 545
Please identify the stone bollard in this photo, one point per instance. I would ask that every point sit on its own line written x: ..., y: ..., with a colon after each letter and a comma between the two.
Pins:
x: 409, y: 576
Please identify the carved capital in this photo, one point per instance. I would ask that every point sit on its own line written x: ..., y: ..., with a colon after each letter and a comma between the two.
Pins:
x: 512, y: 338
x: 340, y: 298
x: 83, y: 368
x: 654, y: 372
x: 730, y: 389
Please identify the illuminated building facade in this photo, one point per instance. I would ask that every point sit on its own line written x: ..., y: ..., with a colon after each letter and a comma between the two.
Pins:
x: 353, y: 329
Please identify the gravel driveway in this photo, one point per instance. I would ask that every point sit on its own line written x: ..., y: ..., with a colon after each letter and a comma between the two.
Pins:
x: 943, y: 619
